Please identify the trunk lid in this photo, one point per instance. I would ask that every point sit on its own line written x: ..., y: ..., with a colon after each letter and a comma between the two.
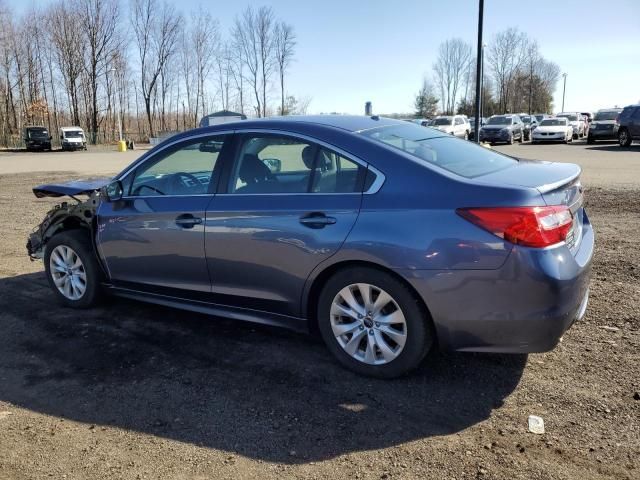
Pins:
x: 75, y: 187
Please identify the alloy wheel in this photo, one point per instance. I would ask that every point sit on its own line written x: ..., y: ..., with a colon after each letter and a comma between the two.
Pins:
x: 68, y: 272
x: 368, y: 324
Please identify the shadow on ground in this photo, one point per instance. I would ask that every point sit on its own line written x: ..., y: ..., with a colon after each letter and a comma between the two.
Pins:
x: 257, y: 391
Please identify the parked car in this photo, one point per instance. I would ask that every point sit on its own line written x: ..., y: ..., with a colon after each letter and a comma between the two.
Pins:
x: 553, y: 130
x: 576, y: 121
x: 72, y: 138
x: 456, y: 125
x: 324, y: 223
x: 503, y: 129
x: 530, y: 123
x: 629, y: 129
x: 541, y: 116
x: 472, y: 124
x: 604, y: 125
x: 424, y: 122
x: 36, y: 138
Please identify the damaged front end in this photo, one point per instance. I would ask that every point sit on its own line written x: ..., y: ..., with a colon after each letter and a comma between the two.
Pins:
x: 66, y: 215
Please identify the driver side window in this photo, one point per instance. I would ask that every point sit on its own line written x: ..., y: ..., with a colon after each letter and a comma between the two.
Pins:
x: 183, y: 169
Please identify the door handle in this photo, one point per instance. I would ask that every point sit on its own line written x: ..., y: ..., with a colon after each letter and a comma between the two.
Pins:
x: 188, y: 221
x: 317, y: 220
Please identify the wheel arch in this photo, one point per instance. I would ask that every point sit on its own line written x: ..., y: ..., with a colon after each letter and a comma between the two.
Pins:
x: 312, y: 292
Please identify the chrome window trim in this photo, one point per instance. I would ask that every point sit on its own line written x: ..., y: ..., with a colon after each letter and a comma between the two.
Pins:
x: 374, y: 188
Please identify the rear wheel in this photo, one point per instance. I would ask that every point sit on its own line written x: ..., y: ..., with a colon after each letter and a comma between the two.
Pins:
x: 624, y: 139
x: 373, y: 323
x: 72, y: 269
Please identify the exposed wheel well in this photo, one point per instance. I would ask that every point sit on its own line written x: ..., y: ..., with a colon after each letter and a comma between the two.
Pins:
x: 321, y: 280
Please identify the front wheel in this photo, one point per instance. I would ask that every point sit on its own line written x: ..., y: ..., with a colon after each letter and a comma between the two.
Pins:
x: 624, y: 139
x: 72, y: 269
x: 373, y: 323
x: 466, y: 135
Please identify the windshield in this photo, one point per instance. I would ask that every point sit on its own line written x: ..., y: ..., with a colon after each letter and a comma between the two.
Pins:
x: 526, y: 119
x: 539, y: 117
x: 457, y: 156
x: 611, y: 115
x: 441, y: 121
x: 73, y: 134
x: 499, y: 121
x: 38, y: 132
x: 553, y: 122
x: 571, y: 118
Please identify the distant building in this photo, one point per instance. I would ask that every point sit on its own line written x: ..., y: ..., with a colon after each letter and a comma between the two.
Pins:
x: 222, y: 116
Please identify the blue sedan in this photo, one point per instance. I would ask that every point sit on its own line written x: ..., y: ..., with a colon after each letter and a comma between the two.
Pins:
x: 385, y: 237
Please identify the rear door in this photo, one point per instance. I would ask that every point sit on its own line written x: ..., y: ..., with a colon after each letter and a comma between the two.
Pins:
x: 285, y: 205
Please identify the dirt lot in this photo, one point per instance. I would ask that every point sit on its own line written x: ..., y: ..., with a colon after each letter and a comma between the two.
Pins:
x: 135, y: 391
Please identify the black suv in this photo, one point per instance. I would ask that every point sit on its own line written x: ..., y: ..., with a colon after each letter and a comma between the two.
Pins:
x: 36, y: 138
x: 629, y: 129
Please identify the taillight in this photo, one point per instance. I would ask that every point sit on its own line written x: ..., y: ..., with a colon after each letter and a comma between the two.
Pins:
x: 529, y: 226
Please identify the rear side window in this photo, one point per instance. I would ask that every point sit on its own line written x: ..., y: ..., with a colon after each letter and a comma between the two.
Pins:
x: 456, y: 156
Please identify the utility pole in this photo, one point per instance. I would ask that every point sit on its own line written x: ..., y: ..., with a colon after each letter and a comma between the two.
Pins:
x: 117, y: 106
x: 479, y: 66
x: 564, y: 89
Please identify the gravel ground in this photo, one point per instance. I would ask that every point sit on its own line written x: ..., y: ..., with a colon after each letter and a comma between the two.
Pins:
x: 131, y: 391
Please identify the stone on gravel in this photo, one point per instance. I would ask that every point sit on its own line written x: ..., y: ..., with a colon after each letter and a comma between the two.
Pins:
x: 536, y: 424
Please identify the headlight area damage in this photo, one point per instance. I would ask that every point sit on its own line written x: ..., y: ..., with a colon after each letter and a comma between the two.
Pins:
x: 66, y: 215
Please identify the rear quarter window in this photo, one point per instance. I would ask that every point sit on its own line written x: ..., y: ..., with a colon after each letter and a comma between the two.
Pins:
x: 454, y: 155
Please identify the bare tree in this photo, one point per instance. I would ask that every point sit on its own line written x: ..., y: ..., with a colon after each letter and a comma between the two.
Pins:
x: 99, y: 24
x: 205, y: 40
x: 451, y: 70
x: 246, y: 40
x: 506, y: 57
x: 156, y: 28
x: 253, y: 35
x: 67, y: 41
x: 284, y: 43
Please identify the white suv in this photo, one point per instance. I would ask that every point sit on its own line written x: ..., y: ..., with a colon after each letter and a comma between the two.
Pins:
x: 457, y: 125
x: 576, y: 121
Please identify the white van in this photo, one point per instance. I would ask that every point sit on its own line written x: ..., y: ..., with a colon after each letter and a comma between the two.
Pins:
x: 72, y: 138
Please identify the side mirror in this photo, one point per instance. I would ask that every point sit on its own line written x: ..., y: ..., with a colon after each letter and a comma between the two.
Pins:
x: 113, y: 192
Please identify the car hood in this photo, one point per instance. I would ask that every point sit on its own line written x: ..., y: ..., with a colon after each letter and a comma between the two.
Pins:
x: 603, y: 122
x: 552, y: 128
x: 444, y: 128
x: 496, y: 127
x: 74, y: 187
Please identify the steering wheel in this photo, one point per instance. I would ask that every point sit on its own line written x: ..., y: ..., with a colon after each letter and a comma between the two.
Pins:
x: 139, y: 189
x: 177, y: 180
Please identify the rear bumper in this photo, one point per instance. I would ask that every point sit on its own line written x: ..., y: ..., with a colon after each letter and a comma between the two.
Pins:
x: 523, y: 307
x: 609, y: 134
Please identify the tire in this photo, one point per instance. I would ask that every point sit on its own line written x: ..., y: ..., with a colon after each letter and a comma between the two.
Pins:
x: 466, y: 135
x: 79, y: 243
x: 521, y: 138
x: 418, y: 333
x: 624, y: 139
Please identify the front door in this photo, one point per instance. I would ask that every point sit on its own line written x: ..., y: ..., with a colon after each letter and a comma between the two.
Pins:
x: 153, y: 239
x: 287, y: 205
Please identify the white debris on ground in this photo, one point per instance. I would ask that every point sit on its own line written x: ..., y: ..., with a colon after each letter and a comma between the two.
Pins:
x: 536, y: 424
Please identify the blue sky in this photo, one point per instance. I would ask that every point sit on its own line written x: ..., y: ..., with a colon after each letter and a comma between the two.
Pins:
x: 351, y: 51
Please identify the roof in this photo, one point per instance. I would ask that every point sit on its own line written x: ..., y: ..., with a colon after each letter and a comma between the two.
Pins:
x: 351, y: 123
x: 64, y: 129
x: 224, y: 113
